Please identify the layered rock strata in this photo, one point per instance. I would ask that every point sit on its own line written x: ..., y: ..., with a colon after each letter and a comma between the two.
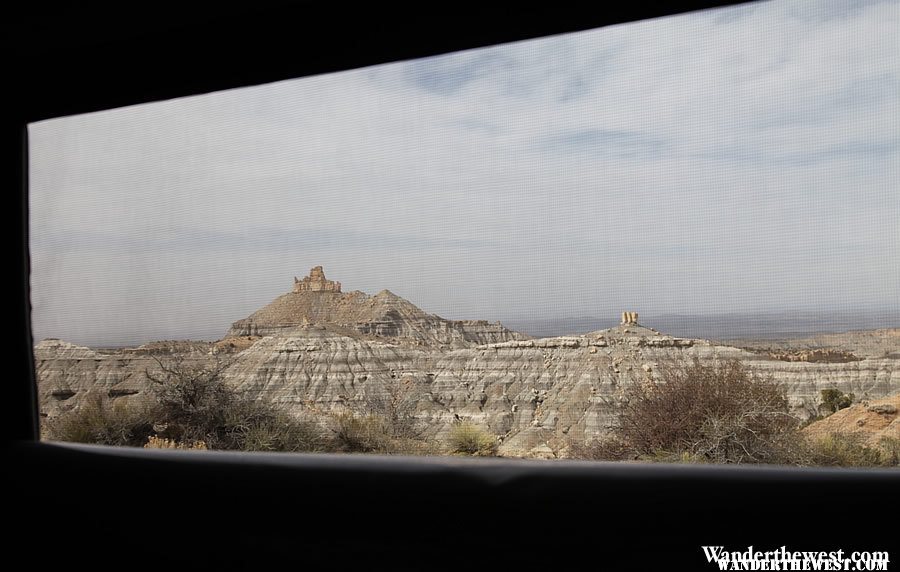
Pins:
x: 318, y: 349
x: 537, y: 396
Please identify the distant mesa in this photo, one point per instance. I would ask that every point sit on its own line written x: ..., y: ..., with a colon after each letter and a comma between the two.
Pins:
x: 384, y: 316
x: 316, y: 282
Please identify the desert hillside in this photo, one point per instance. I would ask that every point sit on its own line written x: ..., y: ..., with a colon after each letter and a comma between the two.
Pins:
x: 317, y: 348
x: 869, y: 421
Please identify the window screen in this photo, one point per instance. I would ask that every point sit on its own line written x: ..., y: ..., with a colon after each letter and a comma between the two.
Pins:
x: 673, y: 240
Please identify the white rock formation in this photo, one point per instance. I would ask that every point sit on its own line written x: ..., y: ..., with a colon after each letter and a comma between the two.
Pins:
x: 534, y: 394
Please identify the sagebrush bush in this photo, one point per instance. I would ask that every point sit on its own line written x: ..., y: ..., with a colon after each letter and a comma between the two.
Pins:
x: 891, y: 448
x: 194, y: 403
x: 468, y: 439
x: 719, y: 413
x: 847, y: 450
x: 384, y: 421
x: 98, y: 421
x: 189, y: 403
x: 607, y: 448
x: 370, y: 433
x: 263, y: 427
x: 834, y: 400
x: 356, y: 433
x: 395, y: 406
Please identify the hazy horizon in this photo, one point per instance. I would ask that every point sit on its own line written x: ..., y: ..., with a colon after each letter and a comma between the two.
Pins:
x: 729, y: 326
x: 743, y: 160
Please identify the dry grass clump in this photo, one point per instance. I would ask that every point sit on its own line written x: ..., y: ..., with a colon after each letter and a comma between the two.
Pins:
x: 383, y: 422
x: 468, y: 439
x: 155, y: 442
x: 97, y: 420
x: 847, y: 450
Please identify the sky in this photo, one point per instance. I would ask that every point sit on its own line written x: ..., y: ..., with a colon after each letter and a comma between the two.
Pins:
x: 743, y: 159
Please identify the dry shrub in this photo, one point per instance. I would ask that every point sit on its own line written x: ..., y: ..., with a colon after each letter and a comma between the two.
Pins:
x: 847, y: 450
x: 396, y: 407
x: 608, y: 448
x: 468, y: 439
x: 834, y: 400
x: 719, y: 413
x: 890, y: 446
x: 196, y: 404
x: 356, y: 433
x: 266, y: 428
x: 155, y: 442
x: 98, y: 421
x: 192, y: 404
x: 384, y: 422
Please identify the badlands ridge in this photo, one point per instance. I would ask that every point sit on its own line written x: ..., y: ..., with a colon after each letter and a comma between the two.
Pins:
x: 318, y: 348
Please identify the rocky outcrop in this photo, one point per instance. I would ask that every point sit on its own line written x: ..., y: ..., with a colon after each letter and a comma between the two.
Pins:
x: 870, y: 421
x: 384, y: 316
x: 819, y: 356
x: 310, y: 365
x: 629, y: 318
x: 316, y: 282
x: 68, y: 374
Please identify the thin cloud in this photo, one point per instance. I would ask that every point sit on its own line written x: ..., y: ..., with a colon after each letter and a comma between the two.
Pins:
x: 604, y: 142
